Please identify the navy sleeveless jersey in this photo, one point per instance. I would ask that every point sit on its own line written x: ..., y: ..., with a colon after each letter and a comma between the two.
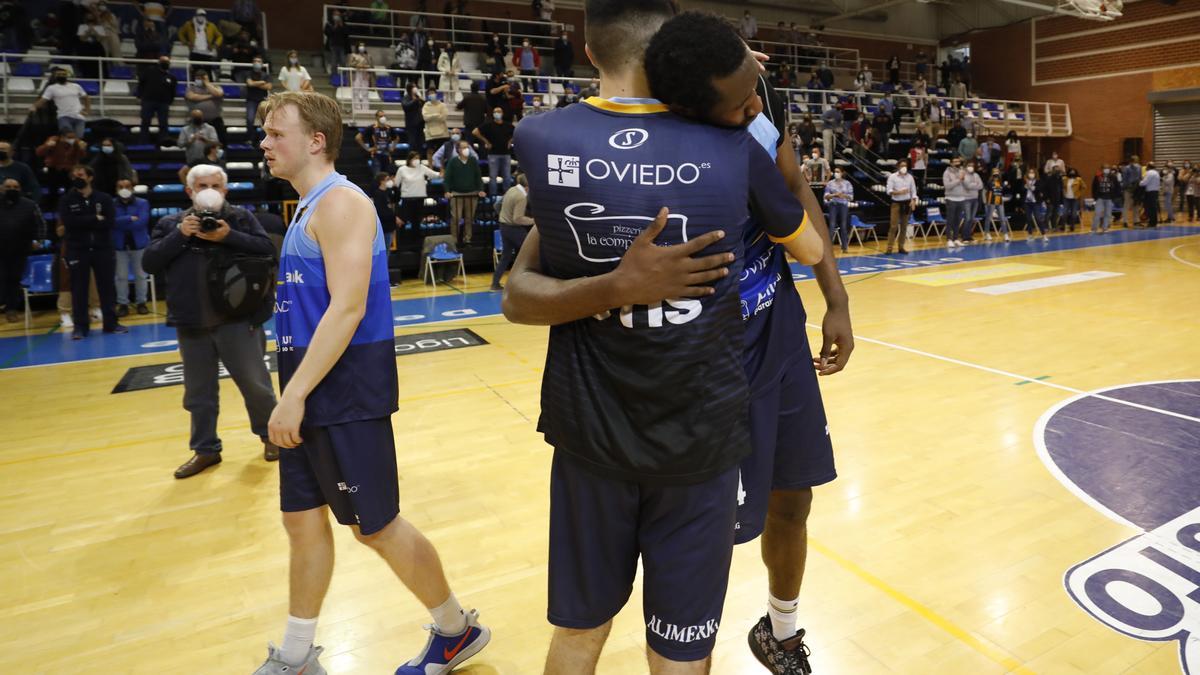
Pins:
x: 647, y: 393
x: 362, y: 383
x: 771, y: 306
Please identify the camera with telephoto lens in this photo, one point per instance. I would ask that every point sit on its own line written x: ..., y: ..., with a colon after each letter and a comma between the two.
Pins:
x: 208, y: 220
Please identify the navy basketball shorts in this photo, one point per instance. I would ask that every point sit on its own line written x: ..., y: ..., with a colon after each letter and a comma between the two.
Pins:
x: 789, y: 436
x: 351, y: 467
x: 684, y: 534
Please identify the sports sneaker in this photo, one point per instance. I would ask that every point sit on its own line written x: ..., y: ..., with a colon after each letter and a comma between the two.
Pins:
x: 274, y: 664
x: 1046, y: 238
x: 96, y: 314
x: 444, y: 652
x: 789, y: 657
x: 1007, y: 238
x: 64, y: 320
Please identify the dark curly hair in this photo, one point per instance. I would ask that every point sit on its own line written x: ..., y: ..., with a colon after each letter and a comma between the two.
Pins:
x: 687, y: 54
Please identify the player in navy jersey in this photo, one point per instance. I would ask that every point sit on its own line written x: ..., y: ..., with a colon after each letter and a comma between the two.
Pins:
x: 787, y: 419
x: 337, y: 375
x: 645, y: 403
x: 789, y: 432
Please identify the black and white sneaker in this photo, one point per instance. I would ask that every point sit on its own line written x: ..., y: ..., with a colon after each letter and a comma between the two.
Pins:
x: 789, y: 657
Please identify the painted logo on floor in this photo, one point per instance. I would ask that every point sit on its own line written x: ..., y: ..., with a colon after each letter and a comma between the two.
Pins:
x: 1133, y: 453
x: 168, y: 374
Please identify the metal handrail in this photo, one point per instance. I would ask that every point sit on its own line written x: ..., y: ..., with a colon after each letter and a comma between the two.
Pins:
x: 538, y: 30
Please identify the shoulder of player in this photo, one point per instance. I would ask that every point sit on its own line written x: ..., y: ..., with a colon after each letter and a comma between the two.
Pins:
x: 345, y: 206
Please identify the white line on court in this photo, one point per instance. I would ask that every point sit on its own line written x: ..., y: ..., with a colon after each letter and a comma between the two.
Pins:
x: 1178, y: 259
x: 1020, y: 378
x: 1043, y: 282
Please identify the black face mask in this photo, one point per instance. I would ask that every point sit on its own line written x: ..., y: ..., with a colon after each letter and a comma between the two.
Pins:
x: 164, y: 66
x: 61, y: 79
x: 3, y: 156
x: 11, y: 196
x: 78, y: 183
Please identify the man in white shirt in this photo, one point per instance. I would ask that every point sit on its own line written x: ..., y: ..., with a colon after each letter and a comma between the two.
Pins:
x: 903, y: 191
x: 514, y: 227
x: 70, y: 99
x: 749, y: 27
x: 1054, y: 163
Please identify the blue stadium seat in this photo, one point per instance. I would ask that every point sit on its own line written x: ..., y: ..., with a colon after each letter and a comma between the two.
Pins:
x: 170, y: 166
x: 141, y: 147
x: 180, y: 74
x: 120, y: 72
x: 385, y: 81
x: 167, y: 187
x: 180, y: 89
x: 238, y: 186
x: 390, y: 95
x: 239, y: 146
x: 92, y: 87
x: 141, y: 166
x: 232, y: 90
x: 27, y: 69
x: 338, y: 80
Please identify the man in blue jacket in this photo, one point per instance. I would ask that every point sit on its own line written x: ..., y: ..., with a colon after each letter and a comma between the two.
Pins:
x: 131, y: 234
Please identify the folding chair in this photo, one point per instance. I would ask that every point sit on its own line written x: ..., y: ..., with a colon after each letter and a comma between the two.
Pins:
x: 37, y: 280
x: 857, y: 227
x: 442, y: 254
x: 934, y: 222
x: 497, y: 248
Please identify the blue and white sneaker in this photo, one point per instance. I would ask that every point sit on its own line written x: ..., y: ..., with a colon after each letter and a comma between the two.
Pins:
x: 443, y: 653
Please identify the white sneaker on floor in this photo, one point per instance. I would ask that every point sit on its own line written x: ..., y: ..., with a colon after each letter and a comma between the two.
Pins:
x: 1046, y: 238
x: 274, y: 664
x: 64, y: 320
x: 987, y: 237
x: 96, y: 314
x: 1007, y: 238
x: 950, y: 243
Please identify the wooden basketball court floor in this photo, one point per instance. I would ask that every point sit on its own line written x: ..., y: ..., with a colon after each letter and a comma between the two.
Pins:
x: 941, y: 548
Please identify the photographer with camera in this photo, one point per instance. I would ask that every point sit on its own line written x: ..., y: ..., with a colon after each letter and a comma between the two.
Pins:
x: 220, y: 268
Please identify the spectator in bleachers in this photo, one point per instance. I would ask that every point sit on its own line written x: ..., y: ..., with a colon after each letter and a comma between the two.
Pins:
x: 464, y: 186
x: 956, y: 134
x: 514, y: 104
x: 406, y: 55
x: 816, y: 167
x: 902, y: 190
x: 1015, y: 175
x: 1185, y: 175
x: 1151, y: 183
x: 435, y: 113
x: 110, y: 38
x: 87, y: 217
x: 806, y: 131
x: 337, y: 42
x: 996, y: 189
x: 131, y: 234
x: 294, y: 76
x: 954, y: 180
x: 564, y: 56
x: 182, y: 250
x: 378, y: 141
x: 156, y: 89
x: 945, y: 72
x: 882, y: 124
x: 20, y: 225
x: 514, y: 227
x: 893, y: 66
x: 205, y: 97
x: 474, y: 109
x: 528, y: 61
x: 214, y: 155
x: 860, y: 82
x: 887, y: 104
x: 19, y: 171
x: 968, y: 147
x: 70, y: 100
x: 258, y: 87
x: 973, y: 184
x: 536, y: 107
x: 825, y: 75
x: 989, y: 153
x: 110, y: 166
x: 920, y: 88
x: 1055, y: 162
x: 1106, y: 188
x: 426, y: 59
x: 748, y: 27
x: 838, y: 194
x: 245, y: 13
x: 385, y: 206
x: 831, y: 128
x: 89, y: 41
x: 1035, y: 205
x: 1169, y: 176
x: 1131, y: 177
x: 1052, y: 190
x: 547, y: 11
x: 243, y: 48
x: 155, y: 11
x: 149, y: 43
x: 568, y: 97
x: 958, y: 92
x: 496, y: 52
x: 195, y: 138
x: 414, y: 123
x: 918, y: 159
x: 1193, y: 195
x: 922, y: 66
x: 497, y: 89
x: 201, y: 37
x: 496, y: 135
x: 448, y: 150
x: 1012, y: 148
x: 413, y: 178
x: 449, y: 65
x: 59, y: 155
x: 593, y: 89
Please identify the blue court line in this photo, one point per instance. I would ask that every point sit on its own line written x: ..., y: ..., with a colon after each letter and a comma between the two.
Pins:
x: 148, y: 338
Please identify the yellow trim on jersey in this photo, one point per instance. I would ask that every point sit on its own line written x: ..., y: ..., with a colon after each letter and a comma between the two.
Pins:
x: 799, y: 230
x: 625, y: 108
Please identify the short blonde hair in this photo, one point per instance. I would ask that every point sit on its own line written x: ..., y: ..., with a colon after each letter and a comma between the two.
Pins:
x: 318, y: 113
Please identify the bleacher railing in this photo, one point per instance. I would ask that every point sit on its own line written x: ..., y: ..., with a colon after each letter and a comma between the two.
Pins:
x: 1029, y: 118
x: 806, y: 58
x: 16, y: 97
x: 463, y: 31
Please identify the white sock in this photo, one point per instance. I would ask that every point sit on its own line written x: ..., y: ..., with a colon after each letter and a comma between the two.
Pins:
x: 783, y: 616
x: 297, y: 640
x: 449, y: 617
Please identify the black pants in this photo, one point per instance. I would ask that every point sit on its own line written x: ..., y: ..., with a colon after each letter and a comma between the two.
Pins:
x: 1150, y: 202
x: 82, y: 261
x: 159, y: 110
x: 1193, y: 207
x: 239, y: 347
x: 512, y: 237
x: 12, y: 266
x: 412, y: 212
x: 57, y: 181
x: 218, y: 124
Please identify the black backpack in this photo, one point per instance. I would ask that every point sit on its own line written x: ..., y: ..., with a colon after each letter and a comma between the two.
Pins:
x: 240, y: 284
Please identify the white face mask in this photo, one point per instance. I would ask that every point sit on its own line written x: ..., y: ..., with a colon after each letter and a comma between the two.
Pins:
x: 390, y: 184
x: 124, y: 193
x: 464, y: 153
x: 497, y: 116
x: 970, y: 169
x: 209, y: 199
x: 294, y: 61
x: 106, y: 149
x: 412, y: 162
x: 362, y: 49
x: 455, y: 138
x: 838, y: 175
x: 903, y: 170
x: 815, y: 155
x: 383, y: 119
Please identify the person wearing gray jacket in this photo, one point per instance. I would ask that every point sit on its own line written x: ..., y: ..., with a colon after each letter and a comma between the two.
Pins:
x: 1131, y: 177
x: 973, y: 185
x: 956, y: 197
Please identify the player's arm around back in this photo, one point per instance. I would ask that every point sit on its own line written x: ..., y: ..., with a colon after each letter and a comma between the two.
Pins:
x: 806, y: 245
x: 344, y: 227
